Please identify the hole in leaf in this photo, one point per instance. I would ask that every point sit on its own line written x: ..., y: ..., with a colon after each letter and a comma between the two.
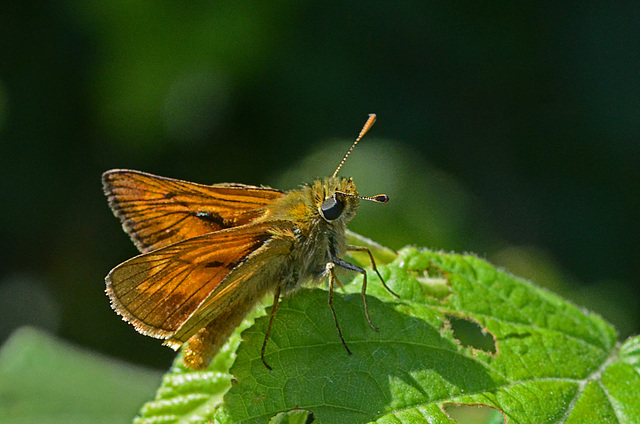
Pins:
x: 473, y: 414
x: 433, y: 283
x: 293, y: 416
x: 470, y: 334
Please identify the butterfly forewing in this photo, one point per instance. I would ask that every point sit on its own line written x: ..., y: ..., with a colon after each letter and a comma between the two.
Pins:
x: 157, y: 211
x: 158, y: 291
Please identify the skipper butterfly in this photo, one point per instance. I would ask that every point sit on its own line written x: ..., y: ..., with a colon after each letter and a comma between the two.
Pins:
x: 210, y: 253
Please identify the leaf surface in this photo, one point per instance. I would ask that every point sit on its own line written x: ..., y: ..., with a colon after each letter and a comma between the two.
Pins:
x: 523, y: 351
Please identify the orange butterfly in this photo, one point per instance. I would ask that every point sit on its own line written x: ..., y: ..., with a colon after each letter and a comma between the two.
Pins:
x: 210, y: 253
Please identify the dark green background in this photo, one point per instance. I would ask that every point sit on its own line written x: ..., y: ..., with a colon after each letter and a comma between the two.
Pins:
x: 509, y: 129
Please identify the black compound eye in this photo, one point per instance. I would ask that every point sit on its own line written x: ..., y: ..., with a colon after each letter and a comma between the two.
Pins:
x: 332, y: 208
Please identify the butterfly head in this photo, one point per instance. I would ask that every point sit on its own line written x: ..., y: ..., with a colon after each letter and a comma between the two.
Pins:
x: 333, y: 200
x: 339, y: 199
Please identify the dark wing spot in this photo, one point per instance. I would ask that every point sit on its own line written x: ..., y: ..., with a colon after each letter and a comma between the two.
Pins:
x: 212, y: 217
x: 169, y: 195
x: 214, y: 264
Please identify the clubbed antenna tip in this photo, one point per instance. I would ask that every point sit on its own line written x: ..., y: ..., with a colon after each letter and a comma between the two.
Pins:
x: 367, y: 126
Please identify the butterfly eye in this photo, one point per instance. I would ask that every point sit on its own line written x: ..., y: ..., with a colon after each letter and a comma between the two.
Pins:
x: 331, y: 208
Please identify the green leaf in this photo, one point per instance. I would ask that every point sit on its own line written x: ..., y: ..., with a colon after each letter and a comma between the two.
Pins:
x: 381, y: 254
x: 45, y: 380
x: 462, y: 333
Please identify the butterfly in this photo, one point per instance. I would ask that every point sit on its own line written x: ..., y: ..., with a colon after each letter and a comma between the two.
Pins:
x: 210, y: 253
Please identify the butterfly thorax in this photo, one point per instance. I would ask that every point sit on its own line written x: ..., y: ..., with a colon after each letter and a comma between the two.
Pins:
x: 318, y: 234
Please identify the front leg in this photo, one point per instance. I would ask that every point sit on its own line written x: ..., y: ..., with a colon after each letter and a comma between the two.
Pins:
x: 352, y: 267
x: 373, y: 265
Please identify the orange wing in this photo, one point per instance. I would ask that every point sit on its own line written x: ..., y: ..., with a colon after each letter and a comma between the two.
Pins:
x: 158, y: 291
x: 157, y: 211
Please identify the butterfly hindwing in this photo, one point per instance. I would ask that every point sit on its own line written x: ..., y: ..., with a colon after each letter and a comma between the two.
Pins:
x: 158, y: 291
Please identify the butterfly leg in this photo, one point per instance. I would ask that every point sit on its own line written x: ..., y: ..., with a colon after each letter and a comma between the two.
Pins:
x: 373, y: 265
x: 330, y: 270
x: 352, y: 267
x: 274, y: 309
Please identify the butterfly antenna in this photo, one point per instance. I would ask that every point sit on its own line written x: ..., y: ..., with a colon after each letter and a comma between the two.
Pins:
x: 367, y: 126
x: 379, y: 198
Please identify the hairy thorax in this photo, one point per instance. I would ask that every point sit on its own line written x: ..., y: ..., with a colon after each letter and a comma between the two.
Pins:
x: 316, y: 240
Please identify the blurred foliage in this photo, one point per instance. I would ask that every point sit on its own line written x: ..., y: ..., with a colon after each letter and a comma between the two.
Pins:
x: 508, y: 129
x: 45, y: 380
